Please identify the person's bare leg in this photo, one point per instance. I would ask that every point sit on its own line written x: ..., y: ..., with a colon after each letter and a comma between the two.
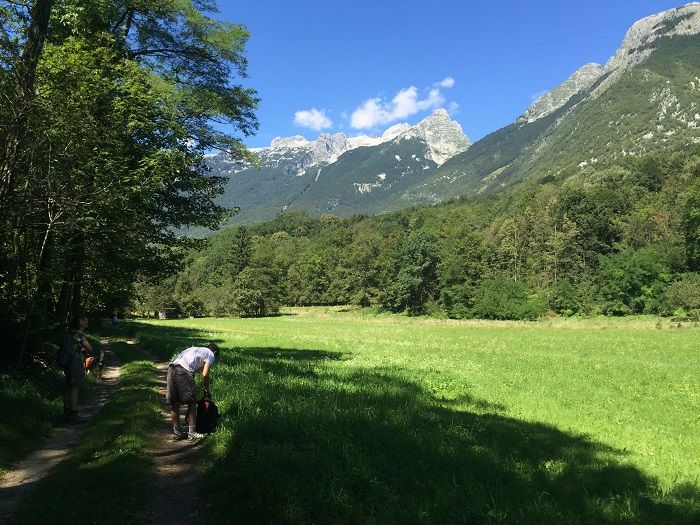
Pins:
x: 191, y: 414
x: 100, y: 363
x: 175, y: 416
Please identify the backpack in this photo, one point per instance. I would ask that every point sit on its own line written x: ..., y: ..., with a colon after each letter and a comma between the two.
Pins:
x: 207, y: 415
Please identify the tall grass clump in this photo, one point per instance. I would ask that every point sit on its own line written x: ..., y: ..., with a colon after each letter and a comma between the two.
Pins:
x: 31, y: 408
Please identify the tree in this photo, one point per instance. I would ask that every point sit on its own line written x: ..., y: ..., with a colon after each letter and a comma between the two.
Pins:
x: 634, y: 281
x: 416, y: 280
x: 127, y: 97
x: 691, y: 226
x: 462, y: 266
x: 500, y: 297
x: 361, y: 268
x: 685, y: 292
x: 23, y: 66
x: 259, y: 290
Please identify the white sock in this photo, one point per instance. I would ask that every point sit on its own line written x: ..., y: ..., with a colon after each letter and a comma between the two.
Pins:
x: 191, y: 429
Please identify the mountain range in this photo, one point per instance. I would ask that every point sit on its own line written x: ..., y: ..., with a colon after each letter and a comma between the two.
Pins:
x: 644, y: 99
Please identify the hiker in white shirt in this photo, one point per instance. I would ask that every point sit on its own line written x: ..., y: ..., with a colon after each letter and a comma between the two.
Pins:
x: 181, y: 389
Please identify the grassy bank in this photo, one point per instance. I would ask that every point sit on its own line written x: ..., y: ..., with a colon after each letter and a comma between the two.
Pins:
x: 106, y: 478
x: 33, y: 405
x: 32, y: 399
x: 347, y: 417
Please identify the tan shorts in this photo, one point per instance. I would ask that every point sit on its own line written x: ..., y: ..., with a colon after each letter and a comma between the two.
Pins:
x: 180, y: 388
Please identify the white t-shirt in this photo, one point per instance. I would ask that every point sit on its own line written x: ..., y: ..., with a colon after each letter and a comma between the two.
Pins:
x: 194, y: 357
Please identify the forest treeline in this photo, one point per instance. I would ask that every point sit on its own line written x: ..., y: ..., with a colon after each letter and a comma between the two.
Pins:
x: 620, y: 239
x: 107, y: 109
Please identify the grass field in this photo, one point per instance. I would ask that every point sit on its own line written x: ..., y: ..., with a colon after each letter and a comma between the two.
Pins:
x: 341, y: 417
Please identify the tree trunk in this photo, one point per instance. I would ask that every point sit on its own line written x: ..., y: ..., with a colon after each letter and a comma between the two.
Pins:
x: 22, y: 95
x: 41, y: 287
x: 70, y: 300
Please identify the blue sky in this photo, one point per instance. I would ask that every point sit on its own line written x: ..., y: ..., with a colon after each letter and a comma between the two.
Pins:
x: 360, y: 66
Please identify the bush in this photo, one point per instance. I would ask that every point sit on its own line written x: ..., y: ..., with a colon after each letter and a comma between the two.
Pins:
x: 502, y: 298
x: 564, y: 298
x: 685, y: 292
x: 634, y: 281
x: 456, y: 300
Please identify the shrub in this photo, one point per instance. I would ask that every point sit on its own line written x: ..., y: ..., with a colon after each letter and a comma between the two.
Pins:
x: 503, y: 298
x: 685, y: 292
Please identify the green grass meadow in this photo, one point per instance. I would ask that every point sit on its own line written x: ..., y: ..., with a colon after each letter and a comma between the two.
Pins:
x: 341, y: 417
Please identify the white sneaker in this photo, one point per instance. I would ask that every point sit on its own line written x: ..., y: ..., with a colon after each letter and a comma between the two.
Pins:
x: 195, y: 436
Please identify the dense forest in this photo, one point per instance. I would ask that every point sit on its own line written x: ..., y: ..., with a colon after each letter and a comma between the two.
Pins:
x: 108, y: 108
x: 616, y: 240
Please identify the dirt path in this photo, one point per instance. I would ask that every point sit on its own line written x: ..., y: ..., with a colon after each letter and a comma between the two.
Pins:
x: 17, y: 483
x: 175, y: 496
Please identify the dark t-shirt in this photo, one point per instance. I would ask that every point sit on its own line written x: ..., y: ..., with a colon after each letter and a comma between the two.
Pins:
x: 76, y: 345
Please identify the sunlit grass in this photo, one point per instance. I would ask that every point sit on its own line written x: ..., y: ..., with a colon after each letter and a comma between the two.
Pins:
x: 377, y: 417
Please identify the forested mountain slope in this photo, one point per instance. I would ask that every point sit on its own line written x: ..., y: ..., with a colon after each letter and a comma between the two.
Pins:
x: 651, y: 108
x: 616, y: 239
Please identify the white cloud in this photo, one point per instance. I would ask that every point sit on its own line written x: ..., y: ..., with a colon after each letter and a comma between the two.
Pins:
x: 447, y: 82
x: 312, y: 118
x: 375, y: 111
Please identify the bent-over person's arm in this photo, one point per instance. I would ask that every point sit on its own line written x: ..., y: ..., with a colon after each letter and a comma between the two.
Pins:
x: 205, y: 377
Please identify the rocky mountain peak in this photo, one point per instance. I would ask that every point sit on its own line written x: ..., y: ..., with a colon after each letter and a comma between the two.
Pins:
x: 581, y: 80
x: 443, y: 135
x: 639, y: 41
x: 289, y: 142
x: 637, y: 45
x: 328, y: 147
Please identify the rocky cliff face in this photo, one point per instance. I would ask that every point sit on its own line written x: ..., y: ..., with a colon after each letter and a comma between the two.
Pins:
x: 640, y: 41
x: 443, y: 135
x: 580, y: 81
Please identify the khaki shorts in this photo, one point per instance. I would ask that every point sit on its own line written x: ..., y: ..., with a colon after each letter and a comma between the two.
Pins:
x: 180, y: 386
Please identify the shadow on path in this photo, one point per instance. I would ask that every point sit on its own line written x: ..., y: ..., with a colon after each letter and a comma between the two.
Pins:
x: 175, y: 498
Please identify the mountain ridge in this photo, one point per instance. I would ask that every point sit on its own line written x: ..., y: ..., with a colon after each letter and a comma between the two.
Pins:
x: 642, y: 100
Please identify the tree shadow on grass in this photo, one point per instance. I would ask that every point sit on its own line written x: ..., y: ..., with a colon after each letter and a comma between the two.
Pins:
x: 310, y: 441
x: 284, y: 354
x: 164, y: 340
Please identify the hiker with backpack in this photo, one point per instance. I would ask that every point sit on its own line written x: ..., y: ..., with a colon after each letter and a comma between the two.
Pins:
x: 181, y: 389
x: 70, y: 358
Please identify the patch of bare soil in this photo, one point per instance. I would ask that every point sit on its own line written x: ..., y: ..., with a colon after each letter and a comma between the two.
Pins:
x: 17, y: 483
x: 175, y: 495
